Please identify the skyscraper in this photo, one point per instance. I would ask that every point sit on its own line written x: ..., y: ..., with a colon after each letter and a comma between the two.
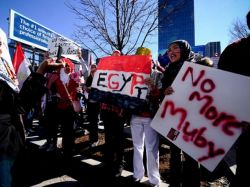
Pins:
x: 213, y: 49
x: 176, y: 21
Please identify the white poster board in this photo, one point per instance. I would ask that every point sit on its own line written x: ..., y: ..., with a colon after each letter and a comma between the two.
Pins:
x: 201, y: 116
x: 120, y: 81
x: 69, y: 49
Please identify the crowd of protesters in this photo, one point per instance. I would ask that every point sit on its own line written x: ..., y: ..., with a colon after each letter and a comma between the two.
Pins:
x: 60, y: 84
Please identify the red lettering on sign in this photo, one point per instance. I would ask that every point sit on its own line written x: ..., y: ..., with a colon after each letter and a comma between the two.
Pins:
x: 195, y: 135
x: 211, y: 152
x: 189, y: 134
x: 190, y: 71
x: 211, y: 113
x: 207, y: 86
x: 112, y: 84
x: 118, y: 82
x: 227, y: 123
x: 208, y: 99
x: 227, y: 128
x: 136, y: 79
x: 173, y: 111
x: 200, y: 140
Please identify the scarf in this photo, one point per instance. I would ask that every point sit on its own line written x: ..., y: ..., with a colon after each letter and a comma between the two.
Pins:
x: 63, y: 76
x: 8, y: 76
x: 7, y: 73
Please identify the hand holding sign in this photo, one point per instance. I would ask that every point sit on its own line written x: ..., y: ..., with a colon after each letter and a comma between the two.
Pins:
x: 169, y: 90
x: 120, y: 81
x: 69, y: 48
x: 202, y: 116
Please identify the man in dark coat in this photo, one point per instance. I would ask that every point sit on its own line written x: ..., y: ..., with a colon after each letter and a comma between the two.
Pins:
x: 236, y: 58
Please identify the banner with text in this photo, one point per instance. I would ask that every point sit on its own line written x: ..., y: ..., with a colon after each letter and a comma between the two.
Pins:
x: 69, y: 48
x: 202, y: 116
x: 119, y: 80
x: 25, y: 30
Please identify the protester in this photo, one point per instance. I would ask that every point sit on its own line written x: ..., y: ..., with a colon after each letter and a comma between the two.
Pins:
x: 143, y: 133
x: 182, y: 173
x: 13, y: 104
x: 49, y: 118
x: 116, y: 53
x: 235, y: 58
x: 66, y: 85
x: 93, y: 110
x: 113, y: 120
x: 62, y: 88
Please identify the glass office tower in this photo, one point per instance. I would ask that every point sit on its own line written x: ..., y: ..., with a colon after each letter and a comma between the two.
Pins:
x: 176, y: 21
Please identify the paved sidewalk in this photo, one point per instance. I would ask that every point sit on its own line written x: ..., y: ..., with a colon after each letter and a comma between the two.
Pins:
x: 38, y: 168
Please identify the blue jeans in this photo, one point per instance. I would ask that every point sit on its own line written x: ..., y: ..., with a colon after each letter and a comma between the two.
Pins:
x: 5, y: 172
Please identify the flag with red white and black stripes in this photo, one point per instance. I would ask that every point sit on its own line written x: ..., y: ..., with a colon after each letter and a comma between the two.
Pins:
x: 120, y: 81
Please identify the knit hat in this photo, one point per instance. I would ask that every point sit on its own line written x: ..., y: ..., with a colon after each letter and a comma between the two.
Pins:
x: 185, y: 49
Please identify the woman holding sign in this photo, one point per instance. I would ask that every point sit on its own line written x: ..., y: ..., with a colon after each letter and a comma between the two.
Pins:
x: 143, y: 133
x: 113, y: 120
x: 188, y: 174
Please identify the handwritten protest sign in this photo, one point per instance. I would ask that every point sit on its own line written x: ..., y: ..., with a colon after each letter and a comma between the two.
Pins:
x: 202, y: 116
x: 119, y: 80
x: 69, y: 49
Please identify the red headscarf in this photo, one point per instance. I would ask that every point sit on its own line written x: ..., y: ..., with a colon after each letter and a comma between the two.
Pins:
x: 71, y: 65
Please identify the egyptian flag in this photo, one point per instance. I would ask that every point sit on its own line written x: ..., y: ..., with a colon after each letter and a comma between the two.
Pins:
x: 120, y: 81
x: 21, y: 65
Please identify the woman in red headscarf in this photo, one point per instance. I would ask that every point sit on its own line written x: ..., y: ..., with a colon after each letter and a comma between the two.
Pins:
x: 64, y: 86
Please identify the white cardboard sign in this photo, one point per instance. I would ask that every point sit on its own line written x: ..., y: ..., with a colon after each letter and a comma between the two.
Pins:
x: 201, y: 116
x: 69, y: 49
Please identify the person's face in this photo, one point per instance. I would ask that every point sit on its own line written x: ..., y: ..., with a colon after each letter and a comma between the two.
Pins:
x: 116, y: 53
x: 67, y: 69
x: 174, y: 52
x: 93, y: 69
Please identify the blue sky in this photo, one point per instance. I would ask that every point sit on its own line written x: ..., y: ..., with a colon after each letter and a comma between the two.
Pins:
x: 213, y: 18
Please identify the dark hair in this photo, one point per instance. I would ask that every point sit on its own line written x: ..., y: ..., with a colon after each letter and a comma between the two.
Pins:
x: 248, y: 19
x: 93, y: 65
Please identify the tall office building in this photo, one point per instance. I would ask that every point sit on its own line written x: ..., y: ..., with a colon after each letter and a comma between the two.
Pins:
x: 176, y: 21
x: 213, y: 49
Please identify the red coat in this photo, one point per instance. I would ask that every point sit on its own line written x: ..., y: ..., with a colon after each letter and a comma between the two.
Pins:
x: 65, y: 97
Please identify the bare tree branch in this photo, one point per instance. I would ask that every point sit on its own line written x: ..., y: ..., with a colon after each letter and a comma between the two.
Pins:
x: 239, y: 30
x: 117, y: 24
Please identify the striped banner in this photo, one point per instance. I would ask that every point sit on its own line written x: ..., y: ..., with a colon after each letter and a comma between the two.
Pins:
x: 119, y: 80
